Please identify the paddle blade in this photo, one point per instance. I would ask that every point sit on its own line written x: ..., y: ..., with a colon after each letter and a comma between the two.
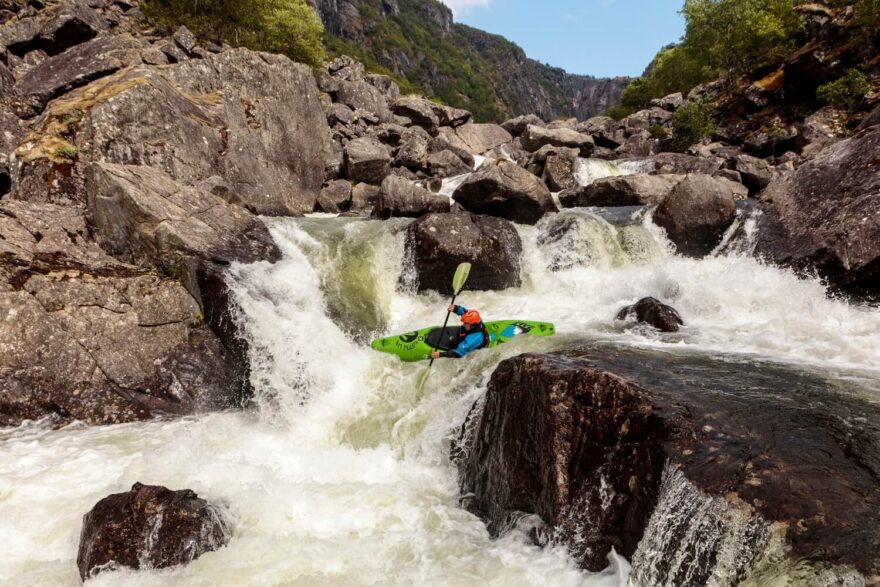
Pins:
x: 423, y: 379
x: 460, y: 277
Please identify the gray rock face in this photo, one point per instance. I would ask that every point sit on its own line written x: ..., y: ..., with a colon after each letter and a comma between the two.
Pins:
x: 64, y: 25
x: 446, y: 163
x: 756, y: 173
x: 419, y: 110
x: 479, y: 138
x: 517, y: 126
x: 143, y: 216
x: 506, y: 190
x: 76, y: 67
x: 645, y: 119
x: 696, y: 213
x: 559, y: 172
x: 401, y: 197
x: 438, y: 243
x: 367, y: 160
x: 253, y: 119
x: 672, y: 102
x: 335, y: 197
x: 361, y: 95
x: 413, y: 150
x: 536, y: 137
x: 652, y: 311
x: 364, y: 197
x: 625, y: 190
x: 681, y: 163
x: 824, y: 215
x: 149, y: 526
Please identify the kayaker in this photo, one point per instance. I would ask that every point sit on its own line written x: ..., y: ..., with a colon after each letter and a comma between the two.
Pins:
x: 471, y: 336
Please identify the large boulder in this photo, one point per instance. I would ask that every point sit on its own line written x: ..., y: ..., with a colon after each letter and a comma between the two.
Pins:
x: 623, y: 190
x: 517, y: 126
x: 559, y: 171
x: 732, y: 470
x: 653, y: 312
x: 367, y: 160
x: 536, y: 137
x: 419, y: 110
x: 696, y: 213
x: 682, y: 163
x: 478, y: 138
x: 61, y: 26
x: 823, y: 216
x: 756, y: 173
x: 361, y: 95
x: 412, y: 151
x: 142, y: 216
x: 253, y: 119
x: 335, y: 197
x: 447, y: 163
x: 148, y: 527
x: 401, y: 197
x: 77, y: 67
x: 438, y: 243
x: 506, y: 190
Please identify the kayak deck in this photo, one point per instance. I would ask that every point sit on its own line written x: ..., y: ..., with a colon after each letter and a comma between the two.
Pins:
x: 417, y: 345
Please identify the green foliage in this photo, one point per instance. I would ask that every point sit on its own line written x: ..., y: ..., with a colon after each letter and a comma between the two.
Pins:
x: 280, y: 26
x: 658, y: 131
x: 736, y: 36
x: 67, y: 152
x: 692, y: 123
x: 847, y: 92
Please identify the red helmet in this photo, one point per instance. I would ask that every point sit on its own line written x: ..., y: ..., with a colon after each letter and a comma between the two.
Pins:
x: 471, y: 317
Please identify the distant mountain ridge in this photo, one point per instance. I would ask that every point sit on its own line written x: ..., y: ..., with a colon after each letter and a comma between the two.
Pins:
x: 418, y: 41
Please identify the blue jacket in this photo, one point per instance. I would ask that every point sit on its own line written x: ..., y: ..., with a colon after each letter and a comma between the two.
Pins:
x: 469, y: 343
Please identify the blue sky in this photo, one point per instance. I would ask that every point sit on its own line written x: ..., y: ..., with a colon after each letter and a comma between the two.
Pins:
x: 596, y: 37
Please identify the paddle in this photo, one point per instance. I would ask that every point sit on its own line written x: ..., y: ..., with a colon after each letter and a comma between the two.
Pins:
x: 458, y: 281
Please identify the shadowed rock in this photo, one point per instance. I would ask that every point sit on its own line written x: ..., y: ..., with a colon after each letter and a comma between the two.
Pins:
x: 696, y: 213
x: 624, y: 190
x: 506, y: 190
x: 437, y: 243
x: 367, y: 160
x: 148, y: 527
x: 401, y: 197
x: 651, y: 311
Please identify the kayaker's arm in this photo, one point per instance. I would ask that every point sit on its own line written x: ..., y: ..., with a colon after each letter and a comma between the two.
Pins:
x: 470, y: 343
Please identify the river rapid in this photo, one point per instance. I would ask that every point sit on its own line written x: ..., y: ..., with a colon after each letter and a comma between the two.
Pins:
x: 340, y: 474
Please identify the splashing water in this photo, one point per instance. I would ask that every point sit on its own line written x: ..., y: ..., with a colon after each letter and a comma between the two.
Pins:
x: 341, y: 476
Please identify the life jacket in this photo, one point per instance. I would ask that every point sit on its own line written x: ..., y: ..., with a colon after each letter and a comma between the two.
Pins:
x: 462, y: 334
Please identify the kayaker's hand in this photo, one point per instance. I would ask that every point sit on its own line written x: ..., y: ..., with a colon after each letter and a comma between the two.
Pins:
x: 435, y: 355
x: 452, y: 307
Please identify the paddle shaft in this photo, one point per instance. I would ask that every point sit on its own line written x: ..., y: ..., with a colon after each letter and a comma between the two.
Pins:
x: 445, y: 322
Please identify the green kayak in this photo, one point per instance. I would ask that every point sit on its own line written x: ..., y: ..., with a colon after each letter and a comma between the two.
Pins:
x: 417, y: 346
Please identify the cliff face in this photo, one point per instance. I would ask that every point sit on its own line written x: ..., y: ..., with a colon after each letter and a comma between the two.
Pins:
x: 418, y: 41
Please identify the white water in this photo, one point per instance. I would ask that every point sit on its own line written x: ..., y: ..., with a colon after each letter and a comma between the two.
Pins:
x: 589, y: 170
x: 341, y: 476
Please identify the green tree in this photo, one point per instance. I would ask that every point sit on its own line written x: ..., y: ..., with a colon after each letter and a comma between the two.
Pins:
x: 280, y: 26
x: 847, y: 92
x: 692, y: 123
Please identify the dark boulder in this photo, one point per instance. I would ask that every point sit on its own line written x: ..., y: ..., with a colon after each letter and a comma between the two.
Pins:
x: 335, y: 197
x: 443, y: 164
x: 517, y: 126
x: 696, y: 213
x: 438, y: 243
x: 401, y: 197
x: 559, y: 172
x: 151, y: 527
x: 682, y: 163
x: 419, y: 110
x: 412, y: 151
x: 506, y: 190
x: 754, y: 455
x: 367, y: 160
x: 651, y: 311
x: 756, y: 173
x: 623, y: 190
x: 823, y: 216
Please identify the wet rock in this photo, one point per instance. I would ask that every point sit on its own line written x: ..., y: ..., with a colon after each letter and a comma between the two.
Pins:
x: 568, y: 443
x: 367, y: 160
x: 335, y: 197
x: 517, y: 126
x: 438, y: 243
x: 149, y: 527
x: 624, y: 190
x: 651, y: 311
x: 579, y: 437
x: 401, y: 197
x: 77, y: 67
x: 559, y: 172
x: 536, y: 137
x: 824, y: 215
x: 696, y: 213
x: 505, y: 190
